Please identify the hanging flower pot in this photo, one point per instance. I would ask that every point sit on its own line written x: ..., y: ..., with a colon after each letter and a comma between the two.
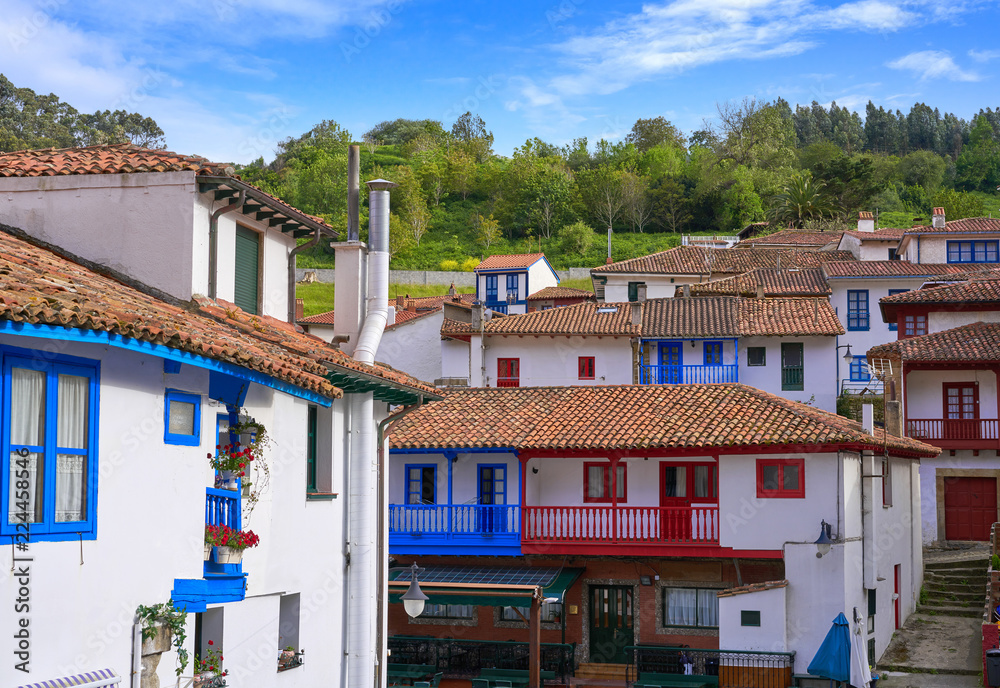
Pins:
x: 226, y: 480
x: 208, y: 551
x: 228, y: 555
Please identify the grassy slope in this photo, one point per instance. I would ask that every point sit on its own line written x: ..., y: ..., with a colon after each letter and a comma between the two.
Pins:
x: 318, y: 296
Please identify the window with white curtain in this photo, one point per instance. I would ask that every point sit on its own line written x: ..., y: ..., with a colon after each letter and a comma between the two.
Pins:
x: 182, y: 418
x: 691, y: 607
x: 49, y: 433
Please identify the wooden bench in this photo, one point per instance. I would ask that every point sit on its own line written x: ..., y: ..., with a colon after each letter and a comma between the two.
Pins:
x: 647, y: 679
x: 518, y: 677
x: 397, y: 673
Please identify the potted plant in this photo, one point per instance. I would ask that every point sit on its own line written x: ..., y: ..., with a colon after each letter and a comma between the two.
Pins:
x: 229, y: 543
x: 286, y: 657
x: 161, y: 623
x: 208, y: 671
x: 230, y: 462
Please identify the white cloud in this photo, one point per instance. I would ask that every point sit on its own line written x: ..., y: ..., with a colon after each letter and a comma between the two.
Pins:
x: 984, y: 55
x: 933, y: 64
x: 871, y: 15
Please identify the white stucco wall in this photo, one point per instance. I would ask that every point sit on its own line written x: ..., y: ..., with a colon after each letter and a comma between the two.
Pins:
x: 876, y: 250
x: 819, y: 369
x: 769, y: 636
x: 152, y: 227
x: 546, y: 361
x: 925, y: 391
x: 657, y: 286
x: 415, y: 347
x: 946, y: 320
x: 465, y: 475
x: 540, y: 275
x: 455, y: 358
x: 150, y: 523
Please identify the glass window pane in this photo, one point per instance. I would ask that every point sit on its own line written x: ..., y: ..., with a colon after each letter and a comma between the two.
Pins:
x: 71, y: 487
x: 701, y: 481
x: 27, y: 408
x: 791, y: 477
x: 680, y: 606
x: 595, y: 482
x: 74, y: 401
x: 181, y: 418
x: 27, y: 476
x: 769, y: 477
x: 708, y: 608
x: 620, y: 484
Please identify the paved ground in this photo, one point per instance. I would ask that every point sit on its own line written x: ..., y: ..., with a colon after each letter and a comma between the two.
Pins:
x: 899, y: 680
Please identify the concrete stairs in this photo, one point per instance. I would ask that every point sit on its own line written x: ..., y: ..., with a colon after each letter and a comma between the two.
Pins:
x: 954, y: 588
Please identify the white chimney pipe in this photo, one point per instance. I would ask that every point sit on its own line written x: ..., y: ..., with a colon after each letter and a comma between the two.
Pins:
x: 378, y: 272
x: 937, y: 218
x: 866, y: 221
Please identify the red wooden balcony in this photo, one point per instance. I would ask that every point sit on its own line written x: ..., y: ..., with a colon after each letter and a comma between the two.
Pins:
x: 637, y: 529
x: 973, y: 433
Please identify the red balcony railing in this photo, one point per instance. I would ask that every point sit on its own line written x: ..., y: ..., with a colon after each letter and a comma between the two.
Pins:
x: 653, y: 525
x: 952, y: 433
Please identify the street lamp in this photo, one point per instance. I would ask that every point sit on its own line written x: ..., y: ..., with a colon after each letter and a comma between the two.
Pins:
x: 823, y: 542
x: 414, y: 598
x: 848, y: 357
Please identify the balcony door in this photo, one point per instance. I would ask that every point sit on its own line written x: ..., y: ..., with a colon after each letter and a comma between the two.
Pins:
x: 492, y: 512
x: 611, y: 628
x: 689, y: 493
x: 961, y: 411
x: 671, y: 363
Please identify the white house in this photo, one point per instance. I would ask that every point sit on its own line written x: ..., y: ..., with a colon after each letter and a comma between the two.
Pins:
x: 179, y: 224
x: 944, y: 366
x: 781, y: 345
x: 113, y: 395
x: 965, y: 242
x: 503, y: 282
x: 662, y: 504
x: 868, y: 243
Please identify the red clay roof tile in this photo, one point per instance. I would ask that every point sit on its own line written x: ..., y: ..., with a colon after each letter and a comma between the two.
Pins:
x: 969, y: 225
x: 628, y: 417
x: 783, y: 282
x: 549, y: 293
x: 513, y: 260
x: 792, y: 237
x: 974, y: 342
x: 698, y: 260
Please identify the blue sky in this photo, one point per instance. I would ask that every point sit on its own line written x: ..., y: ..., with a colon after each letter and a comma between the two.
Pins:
x: 227, y: 79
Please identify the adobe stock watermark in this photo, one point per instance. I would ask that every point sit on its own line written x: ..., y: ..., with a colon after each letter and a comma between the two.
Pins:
x: 378, y: 19
x: 274, y: 128
x: 486, y: 87
x: 31, y: 25
x: 566, y: 9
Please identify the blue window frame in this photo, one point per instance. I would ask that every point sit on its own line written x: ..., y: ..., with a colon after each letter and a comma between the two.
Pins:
x: 973, y: 252
x: 713, y: 353
x: 182, y: 418
x: 857, y: 309
x: 512, y: 287
x: 49, y: 447
x: 859, y: 369
x: 421, y: 483
x: 894, y: 326
x: 491, y: 288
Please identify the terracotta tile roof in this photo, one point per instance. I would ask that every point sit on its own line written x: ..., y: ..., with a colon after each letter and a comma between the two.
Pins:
x: 514, y: 260
x: 549, y: 293
x: 753, y: 587
x: 881, y: 234
x: 318, y: 319
x: 423, y: 304
x: 121, y: 158
x: 969, y: 225
x: 629, y: 417
x: 974, y: 342
x: 889, y: 268
x: 698, y: 260
x: 968, y: 292
x: 39, y: 287
x: 783, y: 282
x: 456, y: 328
x: 709, y: 316
x: 792, y: 237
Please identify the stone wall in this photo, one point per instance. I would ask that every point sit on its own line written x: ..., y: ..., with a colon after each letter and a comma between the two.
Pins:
x: 460, y: 279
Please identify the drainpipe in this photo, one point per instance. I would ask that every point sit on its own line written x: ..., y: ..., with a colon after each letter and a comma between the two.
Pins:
x: 213, y: 242
x: 378, y: 272
x: 291, y: 272
x: 385, y: 428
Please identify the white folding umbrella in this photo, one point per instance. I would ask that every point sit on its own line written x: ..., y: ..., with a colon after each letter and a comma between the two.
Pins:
x: 861, y: 675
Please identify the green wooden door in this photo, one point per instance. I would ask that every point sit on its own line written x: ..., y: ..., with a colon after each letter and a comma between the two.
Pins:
x: 611, y: 629
x: 247, y: 269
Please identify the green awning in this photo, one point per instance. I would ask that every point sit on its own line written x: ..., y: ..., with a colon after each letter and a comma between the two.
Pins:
x: 507, y: 587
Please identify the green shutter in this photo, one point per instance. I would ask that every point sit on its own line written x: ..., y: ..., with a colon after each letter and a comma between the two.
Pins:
x: 247, y: 261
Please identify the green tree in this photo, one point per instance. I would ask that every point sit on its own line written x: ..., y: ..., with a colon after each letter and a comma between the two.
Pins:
x: 472, y: 136
x: 401, y: 131
x: 960, y: 204
x: 978, y: 166
x: 576, y: 239
x: 603, y: 192
x: 650, y: 133
x: 487, y: 231
x: 670, y: 205
x: 408, y: 199
x: 923, y: 168
x: 803, y: 199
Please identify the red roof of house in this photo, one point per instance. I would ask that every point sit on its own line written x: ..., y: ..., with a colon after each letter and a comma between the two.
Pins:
x: 881, y: 234
x: 709, y: 316
x: 513, y: 260
x: 891, y: 268
x: 624, y: 417
x: 974, y: 342
x: 753, y: 587
x: 969, y: 225
x: 119, y: 158
x: 792, y: 237
x: 550, y: 293
x: 39, y: 287
x: 969, y: 292
x: 699, y: 260
x: 424, y: 305
x: 783, y: 282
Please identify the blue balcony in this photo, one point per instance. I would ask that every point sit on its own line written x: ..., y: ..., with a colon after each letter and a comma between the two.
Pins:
x: 220, y: 582
x: 687, y: 374
x: 455, y: 529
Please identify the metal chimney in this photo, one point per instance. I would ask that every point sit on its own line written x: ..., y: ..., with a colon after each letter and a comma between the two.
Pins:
x: 353, y: 192
x: 378, y: 271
